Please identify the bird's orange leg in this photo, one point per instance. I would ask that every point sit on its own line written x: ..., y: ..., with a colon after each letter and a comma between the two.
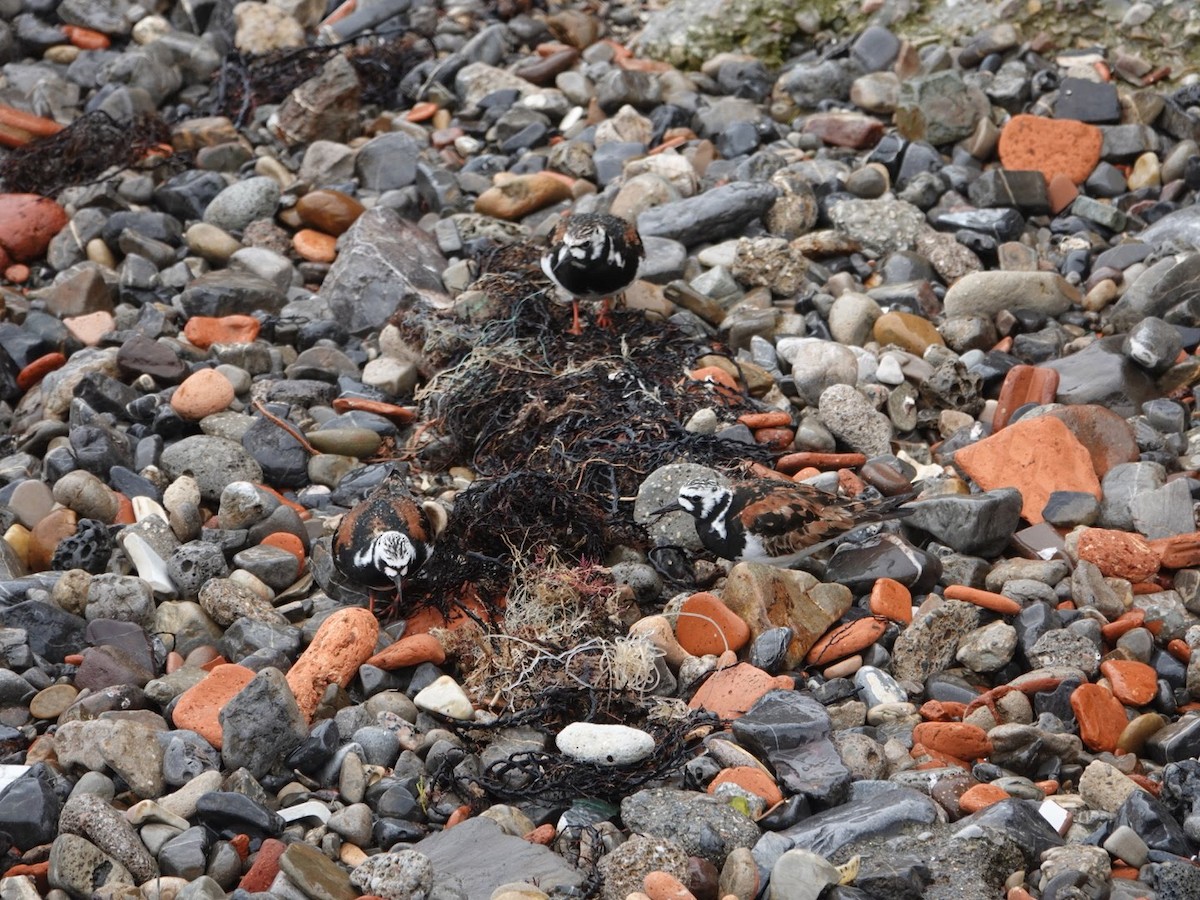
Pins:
x: 604, y: 319
x: 576, y: 328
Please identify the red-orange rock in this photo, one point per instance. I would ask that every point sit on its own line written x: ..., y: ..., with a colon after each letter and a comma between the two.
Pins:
x: 957, y: 739
x: 1127, y: 621
x: 39, y: 369
x: 892, y: 600
x: 204, y: 331
x: 664, y: 886
x: 199, y: 707
x: 1036, y: 456
x: 751, y: 779
x: 329, y: 211
x: 1100, y: 715
x: 731, y: 692
x: 1179, y: 551
x: 201, y: 394
x: 543, y: 834
x: 792, y: 463
x: 86, y: 38
x: 987, y: 599
x: 265, y: 867
x: 344, y: 642
x: 845, y: 639
x: 775, y: 438
x: 1133, y: 683
x: 1051, y: 146
x: 1024, y: 384
x: 1118, y: 554
x: 314, y: 246
x: 27, y: 223
x: 774, y: 419
x: 1060, y: 192
x: 706, y: 625
x: 981, y: 796
x: 410, y: 650
x: 284, y: 540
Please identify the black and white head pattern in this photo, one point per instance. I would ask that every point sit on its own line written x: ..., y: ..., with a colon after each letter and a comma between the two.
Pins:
x: 392, y: 553
x: 707, y: 501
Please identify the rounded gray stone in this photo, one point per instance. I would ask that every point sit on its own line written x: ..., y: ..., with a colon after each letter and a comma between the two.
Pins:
x: 243, y: 202
x: 213, y: 461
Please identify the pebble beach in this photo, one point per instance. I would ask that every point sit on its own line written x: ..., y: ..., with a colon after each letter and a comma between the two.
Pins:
x: 256, y: 256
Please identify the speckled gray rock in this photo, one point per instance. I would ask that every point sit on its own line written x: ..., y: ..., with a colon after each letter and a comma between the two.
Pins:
x: 930, y: 643
x: 195, y: 564
x: 121, y: 597
x: 91, y: 817
x: 226, y: 601
x: 883, y: 225
x: 79, y: 867
x: 399, y: 875
x: 213, y: 461
x: 243, y: 202
x: 623, y: 869
x: 701, y: 824
x: 1060, y: 647
x: 854, y: 420
x: 132, y: 750
x: 974, y: 524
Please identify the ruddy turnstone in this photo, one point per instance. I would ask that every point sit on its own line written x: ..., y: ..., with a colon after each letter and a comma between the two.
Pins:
x: 592, y: 256
x: 385, y: 539
x: 778, y: 522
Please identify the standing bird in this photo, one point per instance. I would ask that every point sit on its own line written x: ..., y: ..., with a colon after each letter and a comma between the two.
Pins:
x: 778, y: 522
x: 385, y: 539
x: 592, y: 256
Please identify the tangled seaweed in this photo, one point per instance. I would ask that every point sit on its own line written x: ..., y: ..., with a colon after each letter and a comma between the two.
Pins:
x: 246, y: 81
x: 599, y: 421
x: 82, y: 152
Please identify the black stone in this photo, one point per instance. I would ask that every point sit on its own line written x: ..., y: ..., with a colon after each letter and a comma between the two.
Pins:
x: 229, y: 813
x: 1154, y: 824
x: 29, y: 811
x: 902, y: 877
x: 386, y: 833
x: 317, y: 749
x: 791, y: 732
x: 52, y: 632
x: 1003, y: 187
x: 1020, y: 822
x: 89, y: 548
x: 1087, y: 101
x: 886, y: 814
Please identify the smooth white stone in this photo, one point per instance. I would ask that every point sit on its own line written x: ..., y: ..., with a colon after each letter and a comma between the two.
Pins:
x: 446, y: 698
x: 604, y: 745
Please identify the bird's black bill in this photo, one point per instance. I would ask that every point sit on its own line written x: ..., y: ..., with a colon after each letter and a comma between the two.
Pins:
x: 663, y: 510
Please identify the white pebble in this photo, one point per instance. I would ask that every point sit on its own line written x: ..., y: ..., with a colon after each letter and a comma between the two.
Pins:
x: 604, y: 745
x: 446, y: 698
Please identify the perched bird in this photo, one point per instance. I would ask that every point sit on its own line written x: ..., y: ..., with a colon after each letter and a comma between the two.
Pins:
x: 592, y: 256
x: 385, y: 539
x: 778, y: 522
